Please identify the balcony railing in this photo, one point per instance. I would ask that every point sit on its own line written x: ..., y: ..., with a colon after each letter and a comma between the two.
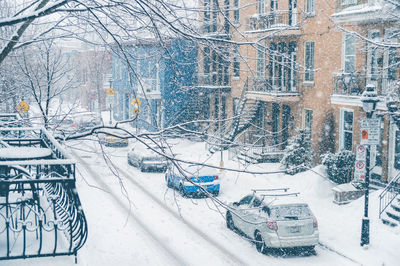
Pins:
x: 353, y: 84
x: 215, y: 28
x: 214, y: 80
x: 276, y: 19
x: 341, y: 4
x: 272, y: 85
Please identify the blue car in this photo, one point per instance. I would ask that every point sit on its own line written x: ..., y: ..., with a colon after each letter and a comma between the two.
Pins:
x: 201, y: 178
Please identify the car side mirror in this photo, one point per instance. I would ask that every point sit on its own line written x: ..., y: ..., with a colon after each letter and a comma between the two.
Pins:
x: 235, y: 204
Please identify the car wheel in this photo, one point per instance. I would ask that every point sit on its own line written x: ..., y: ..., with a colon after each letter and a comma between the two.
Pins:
x: 260, y: 244
x: 229, y: 221
x: 182, y: 191
x: 215, y: 193
x: 168, y: 183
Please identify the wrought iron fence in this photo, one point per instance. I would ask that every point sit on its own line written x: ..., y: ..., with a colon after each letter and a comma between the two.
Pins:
x: 273, y: 20
x: 40, y: 210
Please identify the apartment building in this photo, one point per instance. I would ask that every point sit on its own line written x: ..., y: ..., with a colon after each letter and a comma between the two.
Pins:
x: 304, y: 64
x: 370, y: 33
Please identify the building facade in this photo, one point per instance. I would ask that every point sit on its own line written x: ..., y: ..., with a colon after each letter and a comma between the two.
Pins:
x: 160, y: 77
x: 304, y: 64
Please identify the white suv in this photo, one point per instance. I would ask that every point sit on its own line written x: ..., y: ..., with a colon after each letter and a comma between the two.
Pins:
x: 274, y: 221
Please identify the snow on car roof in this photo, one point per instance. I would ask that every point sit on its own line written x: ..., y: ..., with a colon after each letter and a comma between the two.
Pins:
x: 139, y: 147
x: 283, y: 200
x: 199, y: 169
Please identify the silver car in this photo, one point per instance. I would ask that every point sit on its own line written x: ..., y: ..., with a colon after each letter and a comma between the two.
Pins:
x: 146, y: 159
x: 274, y: 221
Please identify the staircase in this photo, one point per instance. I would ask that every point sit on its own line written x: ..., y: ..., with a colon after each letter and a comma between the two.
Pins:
x: 389, y: 203
x: 247, y: 112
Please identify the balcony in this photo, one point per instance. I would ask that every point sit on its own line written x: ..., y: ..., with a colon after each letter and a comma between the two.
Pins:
x: 361, y: 11
x: 216, y: 29
x: 348, y: 87
x: 151, y: 89
x: 285, y: 20
x: 272, y: 90
x: 214, y: 81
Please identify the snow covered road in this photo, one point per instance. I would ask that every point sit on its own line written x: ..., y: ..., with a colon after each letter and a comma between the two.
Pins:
x: 135, y: 220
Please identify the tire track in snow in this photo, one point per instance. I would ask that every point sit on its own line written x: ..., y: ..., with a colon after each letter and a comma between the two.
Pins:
x: 235, y: 260
x: 229, y: 255
x: 159, y: 242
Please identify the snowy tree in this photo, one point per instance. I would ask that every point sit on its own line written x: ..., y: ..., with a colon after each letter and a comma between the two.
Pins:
x: 339, y: 166
x: 298, y: 154
x: 46, y: 74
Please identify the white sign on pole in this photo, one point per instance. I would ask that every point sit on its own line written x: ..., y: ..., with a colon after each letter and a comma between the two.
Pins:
x: 359, y: 170
x: 361, y: 153
x: 370, y: 131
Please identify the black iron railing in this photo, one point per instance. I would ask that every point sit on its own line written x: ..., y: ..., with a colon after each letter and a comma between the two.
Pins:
x: 391, y: 191
x: 40, y: 211
x: 257, y: 84
x: 276, y: 19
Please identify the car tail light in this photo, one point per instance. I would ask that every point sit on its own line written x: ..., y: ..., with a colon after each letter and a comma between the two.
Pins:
x: 215, y: 177
x: 315, y: 222
x: 271, y: 224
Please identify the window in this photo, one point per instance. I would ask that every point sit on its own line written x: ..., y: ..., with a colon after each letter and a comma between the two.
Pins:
x: 310, y: 6
x: 308, y: 119
x: 346, y: 129
x: 309, y: 61
x: 236, y: 12
x: 349, y: 53
x: 274, y: 5
x: 373, y: 57
x: 236, y: 62
x: 245, y: 200
x: 261, y: 6
x: 226, y: 19
x: 207, y: 15
x: 348, y: 2
x: 206, y: 60
x: 397, y: 150
x: 260, y: 61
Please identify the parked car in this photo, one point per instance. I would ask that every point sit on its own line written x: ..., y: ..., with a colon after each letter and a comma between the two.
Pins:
x: 274, y: 221
x: 141, y: 156
x: 201, y: 178
x: 113, y: 137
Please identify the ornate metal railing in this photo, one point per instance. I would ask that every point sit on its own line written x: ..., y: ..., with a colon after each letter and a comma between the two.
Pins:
x: 40, y: 211
x: 348, y: 83
x: 276, y: 19
x: 257, y: 84
x: 391, y: 191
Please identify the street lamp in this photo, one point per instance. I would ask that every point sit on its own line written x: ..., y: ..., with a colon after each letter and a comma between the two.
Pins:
x: 369, y: 99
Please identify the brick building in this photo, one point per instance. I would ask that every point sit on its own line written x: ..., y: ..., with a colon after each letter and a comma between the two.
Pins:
x: 300, y: 64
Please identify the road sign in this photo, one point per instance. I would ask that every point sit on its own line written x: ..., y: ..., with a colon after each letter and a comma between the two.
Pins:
x: 359, y: 170
x: 110, y: 91
x: 370, y: 131
x: 136, y: 105
x: 23, y: 107
x: 361, y: 153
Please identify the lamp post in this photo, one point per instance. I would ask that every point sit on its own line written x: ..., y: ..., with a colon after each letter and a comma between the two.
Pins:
x: 369, y: 99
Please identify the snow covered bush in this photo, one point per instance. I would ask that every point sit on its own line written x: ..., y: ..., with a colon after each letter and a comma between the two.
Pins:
x: 339, y: 165
x: 298, y: 156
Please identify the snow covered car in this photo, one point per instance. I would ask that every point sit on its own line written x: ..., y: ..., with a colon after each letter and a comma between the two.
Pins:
x: 274, y: 221
x: 201, y: 177
x: 146, y: 159
x: 113, y: 137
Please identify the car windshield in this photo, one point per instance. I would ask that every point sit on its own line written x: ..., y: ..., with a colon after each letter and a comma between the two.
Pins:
x: 291, y: 212
x: 153, y: 158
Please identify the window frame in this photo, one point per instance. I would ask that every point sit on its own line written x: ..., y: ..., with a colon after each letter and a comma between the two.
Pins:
x: 310, y: 7
x: 342, y: 129
x: 309, y: 60
x: 236, y: 12
x: 345, y: 38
